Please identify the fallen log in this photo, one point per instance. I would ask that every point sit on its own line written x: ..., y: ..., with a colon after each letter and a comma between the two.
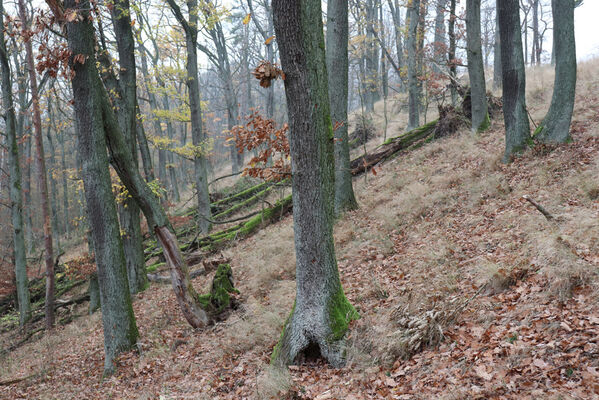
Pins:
x: 392, y: 146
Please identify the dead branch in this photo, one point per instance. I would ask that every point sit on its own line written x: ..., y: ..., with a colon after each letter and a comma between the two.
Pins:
x: 539, y: 207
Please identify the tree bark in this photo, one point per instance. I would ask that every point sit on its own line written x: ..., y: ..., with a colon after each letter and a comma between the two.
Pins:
x: 120, y: 330
x: 53, y: 189
x: 16, y: 195
x: 129, y: 211
x: 497, y: 55
x: 397, y: 29
x: 337, y: 65
x: 65, y: 191
x: 517, y: 127
x: 440, y: 42
x: 321, y: 312
x: 555, y: 128
x: 43, y: 183
x: 476, y: 68
x: 452, y: 52
x: 413, y: 17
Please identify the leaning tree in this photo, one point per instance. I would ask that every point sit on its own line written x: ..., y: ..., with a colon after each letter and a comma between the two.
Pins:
x: 320, y: 316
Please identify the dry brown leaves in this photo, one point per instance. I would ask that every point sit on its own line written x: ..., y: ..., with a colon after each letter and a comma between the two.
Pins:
x: 261, y: 134
x: 265, y: 72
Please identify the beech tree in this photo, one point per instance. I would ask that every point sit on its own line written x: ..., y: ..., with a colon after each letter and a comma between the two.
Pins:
x: 555, y: 128
x: 321, y: 313
x: 338, y: 69
x: 517, y: 126
x: 476, y: 67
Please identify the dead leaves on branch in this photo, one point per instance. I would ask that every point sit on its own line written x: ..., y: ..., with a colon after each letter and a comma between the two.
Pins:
x: 261, y: 134
x: 265, y: 72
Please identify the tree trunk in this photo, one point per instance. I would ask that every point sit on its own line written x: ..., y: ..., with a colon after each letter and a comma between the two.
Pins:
x: 144, y: 149
x: 321, y: 313
x: 397, y: 29
x: 26, y: 140
x: 43, y: 183
x: 372, y: 75
x: 439, y: 44
x: 65, y: 191
x: 535, y: 56
x: 452, y: 52
x: 120, y: 330
x: 497, y: 55
x: 94, y: 294
x: 173, y: 188
x: 517, y: 127
x: 53, y: 190
x: 338, y: 64
x: 129, y: 212
x: 16, y: 195
x: 476, y: 68
x: 413, y: 17
x: 555, y: 128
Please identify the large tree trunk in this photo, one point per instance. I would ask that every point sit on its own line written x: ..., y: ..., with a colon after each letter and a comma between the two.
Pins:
x: 321, y: 313
x: 555, y: 128
x: 120, y: 330
x: 517, y: 127
x: 413, y: 17
x: 42, y: 180
x: 337, y: 65
x: 129, y: 212
x: 16, y: 195
x: 476, y: 68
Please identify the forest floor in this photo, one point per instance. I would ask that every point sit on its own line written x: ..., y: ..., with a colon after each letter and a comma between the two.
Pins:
x: 443, y: 239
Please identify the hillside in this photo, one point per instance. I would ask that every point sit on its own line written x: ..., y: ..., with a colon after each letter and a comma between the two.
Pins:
x: 464, y: 289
